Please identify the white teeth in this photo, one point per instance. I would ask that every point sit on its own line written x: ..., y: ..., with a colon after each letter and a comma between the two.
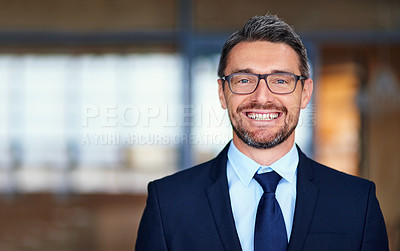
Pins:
x: 262, y: 116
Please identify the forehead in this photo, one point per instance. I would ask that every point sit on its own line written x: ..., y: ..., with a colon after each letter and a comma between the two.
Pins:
x: 263, y: 57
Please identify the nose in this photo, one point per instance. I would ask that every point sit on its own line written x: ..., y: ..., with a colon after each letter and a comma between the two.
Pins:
x: 262, y: 94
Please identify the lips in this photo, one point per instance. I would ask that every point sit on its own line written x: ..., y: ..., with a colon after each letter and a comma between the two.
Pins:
x: 262, y: 116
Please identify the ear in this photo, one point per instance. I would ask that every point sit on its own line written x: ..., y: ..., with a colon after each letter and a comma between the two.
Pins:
x: 306, y: 93
x: 221, y: 93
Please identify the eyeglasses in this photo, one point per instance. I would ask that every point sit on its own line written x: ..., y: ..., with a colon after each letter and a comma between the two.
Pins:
x: 247, y: 83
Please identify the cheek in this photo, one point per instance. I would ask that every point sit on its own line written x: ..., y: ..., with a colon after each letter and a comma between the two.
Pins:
x: 229, y: 99
x: 292, y: 105
x: 233, y: 101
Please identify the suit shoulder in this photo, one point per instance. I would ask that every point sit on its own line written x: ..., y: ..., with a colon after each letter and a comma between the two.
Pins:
x: 203, y: 173
x: 189, y: 173
x: 330, y: 175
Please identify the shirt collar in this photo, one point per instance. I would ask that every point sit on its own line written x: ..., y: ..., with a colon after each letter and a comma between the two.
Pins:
x: 245, y: 167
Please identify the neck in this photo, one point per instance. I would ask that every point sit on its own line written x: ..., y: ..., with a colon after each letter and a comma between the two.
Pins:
x: 264, y: 157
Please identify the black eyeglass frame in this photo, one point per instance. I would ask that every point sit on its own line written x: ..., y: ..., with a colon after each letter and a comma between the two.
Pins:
x: 263, y: 76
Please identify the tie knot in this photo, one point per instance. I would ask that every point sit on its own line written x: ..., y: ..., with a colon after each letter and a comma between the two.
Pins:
x: 268, y: 181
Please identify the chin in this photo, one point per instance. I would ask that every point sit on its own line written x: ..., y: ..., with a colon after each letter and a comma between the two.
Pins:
x: 260, y: 140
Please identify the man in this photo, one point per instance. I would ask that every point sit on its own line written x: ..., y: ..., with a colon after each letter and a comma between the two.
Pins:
x: 261, y: 192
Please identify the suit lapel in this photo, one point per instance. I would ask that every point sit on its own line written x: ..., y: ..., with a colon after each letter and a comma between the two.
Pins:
x: 218, y: 197
x: 219, y: 200
x: 307, y: 194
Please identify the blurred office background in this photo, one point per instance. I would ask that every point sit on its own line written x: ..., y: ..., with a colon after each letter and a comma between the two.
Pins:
x: 98, y: 97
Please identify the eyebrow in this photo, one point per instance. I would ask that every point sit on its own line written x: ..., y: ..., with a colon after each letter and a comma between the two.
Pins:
x: 248, y: 70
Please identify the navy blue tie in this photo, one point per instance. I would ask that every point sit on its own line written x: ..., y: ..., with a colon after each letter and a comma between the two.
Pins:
x: 270, y: 230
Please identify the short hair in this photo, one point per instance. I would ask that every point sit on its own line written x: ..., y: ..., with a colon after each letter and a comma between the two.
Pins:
x: 266, y: 28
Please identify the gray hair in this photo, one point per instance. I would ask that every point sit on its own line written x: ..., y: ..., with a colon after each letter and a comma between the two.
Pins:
x: 266, y: 28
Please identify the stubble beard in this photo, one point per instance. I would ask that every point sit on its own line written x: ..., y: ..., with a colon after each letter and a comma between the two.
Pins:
x: 253, y: 139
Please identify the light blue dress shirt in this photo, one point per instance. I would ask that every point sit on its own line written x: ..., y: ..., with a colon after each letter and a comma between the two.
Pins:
x: 245, y: 192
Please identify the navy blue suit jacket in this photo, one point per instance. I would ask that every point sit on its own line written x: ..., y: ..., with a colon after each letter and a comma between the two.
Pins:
x: 191, y: 210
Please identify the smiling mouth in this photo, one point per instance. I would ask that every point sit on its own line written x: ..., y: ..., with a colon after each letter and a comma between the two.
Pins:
x: 263, y: 116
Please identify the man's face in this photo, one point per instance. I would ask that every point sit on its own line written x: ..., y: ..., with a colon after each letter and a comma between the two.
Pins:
x: 263, y: 119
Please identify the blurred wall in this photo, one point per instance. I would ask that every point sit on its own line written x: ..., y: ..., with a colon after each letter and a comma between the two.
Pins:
x: 209, y: 15
x: 353, y: 42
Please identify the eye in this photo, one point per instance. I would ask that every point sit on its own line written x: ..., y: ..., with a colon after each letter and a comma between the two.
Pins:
x: 280, y: 81
x: 243, y: 81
